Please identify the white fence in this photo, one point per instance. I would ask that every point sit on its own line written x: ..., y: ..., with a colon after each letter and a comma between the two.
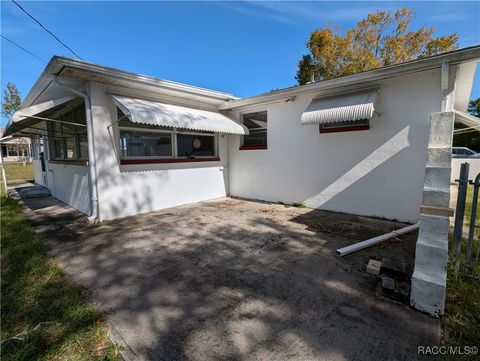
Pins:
x: 474, y: 168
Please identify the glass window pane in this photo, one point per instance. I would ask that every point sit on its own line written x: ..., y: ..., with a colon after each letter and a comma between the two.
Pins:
x: 70, y: 144
x: 58, y: 148
x: 257, y: 126
x: 83, y: 146
x: 195, y: 145
x: 140, y: 144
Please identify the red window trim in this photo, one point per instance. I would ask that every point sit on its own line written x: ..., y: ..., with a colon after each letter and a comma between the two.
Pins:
x: 253, y: 147
x: 169, y: 160
x: 351, y: 128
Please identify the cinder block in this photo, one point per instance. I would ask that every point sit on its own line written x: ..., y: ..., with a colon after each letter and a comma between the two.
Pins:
x: 438, y: 197
x: 439, y: 157
x: 441, y: 129
x: 437, y: 177
x: 388, y: 285
x: 429, y: 258
x: 433, y: 230
x: 373, y: 267
x: 428, y: 294
x: 394, y: 267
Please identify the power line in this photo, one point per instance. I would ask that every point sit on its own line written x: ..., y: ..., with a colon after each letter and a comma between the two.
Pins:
x: 21, y: 47
x: 48, y: 31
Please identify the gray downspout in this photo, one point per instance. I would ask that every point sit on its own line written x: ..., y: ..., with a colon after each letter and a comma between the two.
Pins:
x: 91, y: 154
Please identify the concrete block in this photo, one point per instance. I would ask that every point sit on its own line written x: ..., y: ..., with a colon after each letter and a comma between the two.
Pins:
x: 402, y: 291
x: 437, y: 177
x: 388, y: 285
x: 438, y: 197
x: 429, y: 258
x: 428, y: 293
x: 439, y: 157
x: 433, y: 230
x: 441, y: 129
x: 373, y: 267
x: 394, y: 267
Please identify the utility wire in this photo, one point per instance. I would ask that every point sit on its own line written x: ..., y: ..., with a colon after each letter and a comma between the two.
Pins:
x: 21, y: 47
x: 48, y: 31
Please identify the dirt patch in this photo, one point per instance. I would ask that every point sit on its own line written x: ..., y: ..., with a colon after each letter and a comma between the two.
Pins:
x: 235, y: 279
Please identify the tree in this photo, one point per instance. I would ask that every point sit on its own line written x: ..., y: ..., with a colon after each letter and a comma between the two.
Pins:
x: 469, y: 139
x: 380, y: 39
x: 474, y: 107
x: 11, y: 100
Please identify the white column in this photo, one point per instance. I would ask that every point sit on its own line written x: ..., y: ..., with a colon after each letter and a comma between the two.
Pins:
x: 431, y: 256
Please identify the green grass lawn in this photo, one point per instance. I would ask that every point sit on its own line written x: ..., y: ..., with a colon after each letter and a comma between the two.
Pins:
x: 17, y: 172
x: 461, y: 321
x: 44, y: 316
x: 468, y: 208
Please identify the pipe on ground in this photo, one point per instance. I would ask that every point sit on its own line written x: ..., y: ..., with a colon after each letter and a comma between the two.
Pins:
x: 370, y: 242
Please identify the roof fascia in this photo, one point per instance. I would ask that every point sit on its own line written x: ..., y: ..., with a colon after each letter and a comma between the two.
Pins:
x: 454, y: 57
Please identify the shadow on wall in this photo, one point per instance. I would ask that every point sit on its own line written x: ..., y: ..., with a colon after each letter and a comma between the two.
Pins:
x: 185, y: 283
x: 383, y: 153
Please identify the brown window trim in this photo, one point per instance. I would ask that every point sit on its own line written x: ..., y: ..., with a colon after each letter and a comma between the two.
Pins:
x: 69, y: 161
x: 351, y: 128
x: 169, y: 160
x: 253, y: 147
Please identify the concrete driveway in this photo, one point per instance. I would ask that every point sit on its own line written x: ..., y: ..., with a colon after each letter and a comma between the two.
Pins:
x: 240, y: 280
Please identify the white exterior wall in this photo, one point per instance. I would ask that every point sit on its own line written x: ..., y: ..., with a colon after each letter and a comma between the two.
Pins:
x: 70, y: 184
x: 37, y: 172
x: 379, y: 172
x: 473, y: 170
x: 125, y: 190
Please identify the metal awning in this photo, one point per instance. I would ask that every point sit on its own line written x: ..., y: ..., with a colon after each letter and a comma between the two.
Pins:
x: 168, y: 115
x: 467, y: 119
x: 341, y: 108
x: 21, y: 119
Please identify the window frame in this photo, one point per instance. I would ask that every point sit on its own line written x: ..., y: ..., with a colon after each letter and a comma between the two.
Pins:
x: 148, y: 131
x: 363, y: 124
x: 242, y: 140
x: 174, y: 158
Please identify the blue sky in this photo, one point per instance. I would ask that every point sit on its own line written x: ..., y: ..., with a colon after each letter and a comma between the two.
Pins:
x: 244, y: 48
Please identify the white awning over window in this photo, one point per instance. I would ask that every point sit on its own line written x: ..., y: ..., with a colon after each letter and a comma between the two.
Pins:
x: 21, y: 118
x: 167, y: 115
x: 341, y: 108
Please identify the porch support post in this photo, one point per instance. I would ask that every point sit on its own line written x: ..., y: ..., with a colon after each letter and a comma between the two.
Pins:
x: 431, y: 256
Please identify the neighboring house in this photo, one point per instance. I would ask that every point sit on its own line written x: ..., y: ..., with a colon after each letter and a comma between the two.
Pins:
x: 15, y: 149
x: 118, y: 144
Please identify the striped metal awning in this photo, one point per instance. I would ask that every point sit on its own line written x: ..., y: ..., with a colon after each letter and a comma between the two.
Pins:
x: 168, y: 115
x: 341, y: 108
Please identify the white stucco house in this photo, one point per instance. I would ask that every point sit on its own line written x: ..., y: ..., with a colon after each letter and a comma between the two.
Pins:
x: 113, y: 144
x: 14, y: 149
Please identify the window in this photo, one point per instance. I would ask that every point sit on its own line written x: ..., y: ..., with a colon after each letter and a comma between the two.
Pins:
x: 59, y: 148
x: 83, y: 146
x: 257, y: 127
x: 69, y: 141
x: 143, y: 144
x: 4, y: 150
x: 346, y: 126
x: 189, y: 145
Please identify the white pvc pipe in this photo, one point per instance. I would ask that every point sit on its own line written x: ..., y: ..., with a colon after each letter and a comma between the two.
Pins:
x: 370, y: 242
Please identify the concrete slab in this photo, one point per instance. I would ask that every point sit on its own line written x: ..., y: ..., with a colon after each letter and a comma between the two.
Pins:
x: 32, y: 191
x: 242, y: 280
